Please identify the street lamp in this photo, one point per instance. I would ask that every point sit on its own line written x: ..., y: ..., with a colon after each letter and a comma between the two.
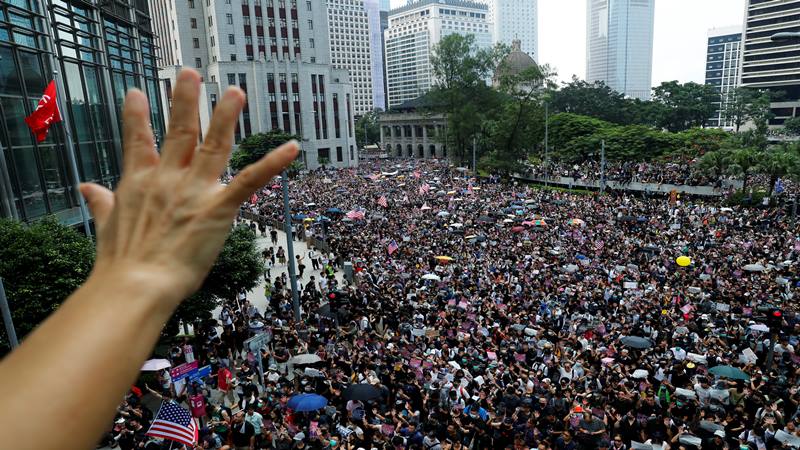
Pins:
x: 785, y: 36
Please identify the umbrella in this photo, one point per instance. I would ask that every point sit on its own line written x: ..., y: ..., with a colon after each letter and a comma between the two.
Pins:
x: 508, y: 221
x: 731, y: 372
x: 308, y: 358
x: 431, y: 276
x: 308, y: 219
x: 754, y: 268
x: 485, y: 219
x: 362, y: 392
x: 443, y: 214
x: 441, y: 193
x: 759, y: 327
x: 518, y: 229
x: 334, y: 211
x: 444, y: 258
x: 576, y: 222
x: 299, y: 216
x: 539, y: 223
x: 457, y: 225
x: 307, y: 402
x: 571, y: 268
x: 155, y: 364
x: 636, y: 342
x: 639, y: 373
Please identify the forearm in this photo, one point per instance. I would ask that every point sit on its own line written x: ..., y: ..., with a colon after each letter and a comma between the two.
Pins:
x: 86, y: 367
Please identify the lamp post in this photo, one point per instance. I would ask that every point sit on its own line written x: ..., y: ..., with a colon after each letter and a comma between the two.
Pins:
x: 287, y: 228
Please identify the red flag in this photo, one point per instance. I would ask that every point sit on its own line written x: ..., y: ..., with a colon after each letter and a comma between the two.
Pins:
x: 46, y: 113
x: 254, y: 199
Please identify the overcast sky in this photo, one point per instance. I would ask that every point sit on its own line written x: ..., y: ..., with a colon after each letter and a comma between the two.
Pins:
x: 679, y: 47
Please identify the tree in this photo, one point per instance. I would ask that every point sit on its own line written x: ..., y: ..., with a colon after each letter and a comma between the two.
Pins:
x: 369, y: 123
x: 742, y: 162
x: 460, y: 90
x: 698, y: 141
x: 566, y: 127
x: 254, y: 147
x: 683, y: 106
x: 238, y: 268
x: 41, y: 265
x: 715, y: 163
x: 747, y: 104
x: 792, y: 126
x: 778, y: 163
x: 599, y: 101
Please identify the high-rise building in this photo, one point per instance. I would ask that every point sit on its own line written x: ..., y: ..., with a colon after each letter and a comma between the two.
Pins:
x: 722, y: 68
x: 278, y: 52
x: 350, y: 29
x: 619, y: 45
x: 516, y: 20
x: 773, y: 65
x: 102, y: 50
x: 415, y: 29
x: 376, y: 26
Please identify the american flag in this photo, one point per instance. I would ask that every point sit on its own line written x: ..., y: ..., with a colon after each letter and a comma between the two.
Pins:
x: 254, y: 199
x: 382, y: 201
x: 374, y: 177
x: 355, y: 215
x: 174, y: 423
x: 417, y: 174
x: 469, y: 189
x: 392, y: 247
x: 424, y: 189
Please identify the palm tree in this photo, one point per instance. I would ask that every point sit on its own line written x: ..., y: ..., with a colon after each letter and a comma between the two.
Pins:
x: 716, y: 163
x: 742, y: 162
x: 778, y: 163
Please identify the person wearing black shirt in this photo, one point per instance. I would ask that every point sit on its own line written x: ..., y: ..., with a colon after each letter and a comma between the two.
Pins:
x: 243, y: 433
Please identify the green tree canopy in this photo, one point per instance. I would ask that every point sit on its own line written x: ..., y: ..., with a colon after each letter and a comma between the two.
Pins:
x: 599, y: 101
x: 778, y: 163
x: 254, y: 147
x: 683, y: 106
x: 566, y: 127
x: 41, y: 265
x: 368, y: 123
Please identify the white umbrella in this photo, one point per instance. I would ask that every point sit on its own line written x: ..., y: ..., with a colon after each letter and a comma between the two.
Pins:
x: 754, y: 268
x: 443, y: 214
x: 431, y: 276
x: 308, y: 358
x: 571, y: 268
x: 639, y: 373
x: 456, y: 225
x: 759, y: 327
x: 156, y: 364
x: 508, y: 221
x: 454, y: 365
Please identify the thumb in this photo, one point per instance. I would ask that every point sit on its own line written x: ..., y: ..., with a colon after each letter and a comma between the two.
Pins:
x: 100, y: 201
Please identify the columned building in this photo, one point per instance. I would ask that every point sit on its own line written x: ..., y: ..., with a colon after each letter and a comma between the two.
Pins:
x: 619, y: 45
x: 722, y: 69
x: 409, y: 131
x: 413, y: 33
x: 279, y: 53
x: 773, y: 64
x: 102, y: 49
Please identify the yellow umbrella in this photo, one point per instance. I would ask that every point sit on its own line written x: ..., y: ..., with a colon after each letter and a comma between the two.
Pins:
x: 444, y: 258
x: 683, y: 261
x: 451, y: 193
x: 308, y: 219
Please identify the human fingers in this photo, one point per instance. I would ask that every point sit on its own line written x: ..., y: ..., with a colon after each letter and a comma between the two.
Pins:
x: 256, y: 175
x: 184, y: 126
x: 100, y: 201
x: 212, y: 155
x: 137, y: 138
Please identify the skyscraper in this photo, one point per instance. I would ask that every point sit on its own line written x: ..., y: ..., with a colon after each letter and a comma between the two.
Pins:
x: 768, y: 64
x: 102, y: 50
x: 516, y: 20
x: 415, y: 29
x: 278, y: 52
x: 722, y: 68
x: 619, y: 45
x: 351, y: 25
x: 375, y: 17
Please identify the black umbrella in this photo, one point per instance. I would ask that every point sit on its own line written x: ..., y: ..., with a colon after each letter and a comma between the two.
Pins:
x: 485, y: 219
x: 636, y: 342
x: 362, y: 392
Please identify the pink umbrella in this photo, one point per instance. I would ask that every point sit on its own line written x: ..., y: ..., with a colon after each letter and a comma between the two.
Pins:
x: 528, y: 223
x: 518, y: 229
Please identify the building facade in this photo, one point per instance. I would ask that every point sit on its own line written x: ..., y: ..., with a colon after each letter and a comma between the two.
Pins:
x: 278, y: 52
x: 619, y: 45
x: 102, y: 51
x: 515, y: 20
x: 377, y: 69
x: 773, y: 65
x: 722, y: 69
x: 415, y: 29
x: 350, y: 29
x: 410, y: 132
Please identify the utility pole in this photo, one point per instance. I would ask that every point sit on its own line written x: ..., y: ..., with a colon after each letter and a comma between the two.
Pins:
x: 546, y: 141
x: 10, y: 331
x: 71, y: 155
x: 287, y: 227
x: 603, y: 166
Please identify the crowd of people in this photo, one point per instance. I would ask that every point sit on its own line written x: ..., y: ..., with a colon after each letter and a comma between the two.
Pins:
x: 483, y: 314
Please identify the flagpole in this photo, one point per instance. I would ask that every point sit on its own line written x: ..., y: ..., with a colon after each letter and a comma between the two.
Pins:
x: 71, y: 155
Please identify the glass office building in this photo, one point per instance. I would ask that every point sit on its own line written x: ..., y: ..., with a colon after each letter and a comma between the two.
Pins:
x: 103, y: 49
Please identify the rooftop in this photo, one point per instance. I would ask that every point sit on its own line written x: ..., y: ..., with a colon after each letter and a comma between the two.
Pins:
x: 412, y: 5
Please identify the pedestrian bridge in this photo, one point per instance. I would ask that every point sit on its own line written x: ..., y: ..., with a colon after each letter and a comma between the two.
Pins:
x: 634, y: 186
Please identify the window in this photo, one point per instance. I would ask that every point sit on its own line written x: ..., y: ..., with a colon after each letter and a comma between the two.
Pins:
x: 233, y: 56
x: 308, y: 6
x: 246, y: 20
x: 193, y: 22
x: 196, y: 43
x: 213, y: 78
x: 294, y: 78
x: 231, y: 39
x: 295, y: 97
x: 213, y: 42
x: 191, y: 4
x: 310, y: 24
x: 210, y: 21
x: 311, y: 42
x: 248, y: 40
x: 231, y: 78
x: 198, y: 63
x: 229, y: 19
x: 339, y: 155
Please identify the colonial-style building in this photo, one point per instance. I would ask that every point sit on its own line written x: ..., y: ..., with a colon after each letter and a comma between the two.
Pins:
x: 409, y: 131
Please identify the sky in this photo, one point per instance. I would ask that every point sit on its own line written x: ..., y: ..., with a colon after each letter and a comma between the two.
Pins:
x: 679, y: 44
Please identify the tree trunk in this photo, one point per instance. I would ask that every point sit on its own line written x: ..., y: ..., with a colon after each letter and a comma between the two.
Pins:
x: 772, y: 180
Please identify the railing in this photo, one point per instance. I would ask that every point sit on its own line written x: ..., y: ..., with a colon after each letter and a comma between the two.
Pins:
x: 636, y: 186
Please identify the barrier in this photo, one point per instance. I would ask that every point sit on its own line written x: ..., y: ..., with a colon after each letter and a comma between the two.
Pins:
x: 636, y: 186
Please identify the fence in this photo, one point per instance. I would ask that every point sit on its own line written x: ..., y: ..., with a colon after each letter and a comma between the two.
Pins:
x: 655, y: 188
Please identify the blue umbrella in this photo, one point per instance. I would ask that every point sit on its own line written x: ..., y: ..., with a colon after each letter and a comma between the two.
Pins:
x: 299, y: 217
x: 323, y: 219
x: 334, y: 211
x: 307, y: 402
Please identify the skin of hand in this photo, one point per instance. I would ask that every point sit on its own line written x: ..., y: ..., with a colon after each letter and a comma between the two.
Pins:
x: 157, y: 237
